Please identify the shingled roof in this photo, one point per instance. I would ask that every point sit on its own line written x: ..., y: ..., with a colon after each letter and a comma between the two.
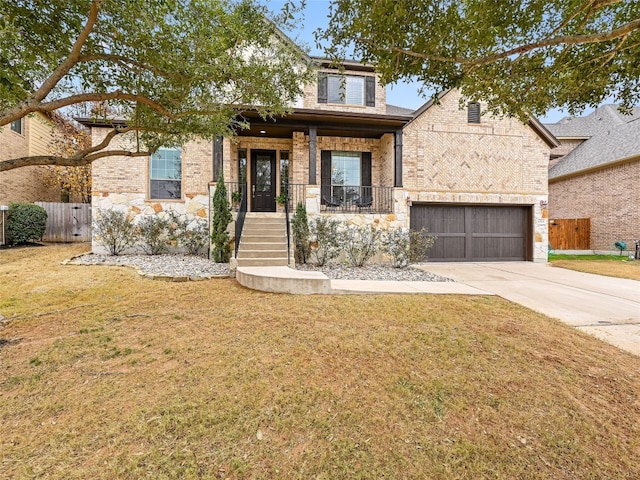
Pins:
x: 610, y: 137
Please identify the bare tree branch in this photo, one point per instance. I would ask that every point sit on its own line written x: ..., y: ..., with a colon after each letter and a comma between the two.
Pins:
x: 65, y: 161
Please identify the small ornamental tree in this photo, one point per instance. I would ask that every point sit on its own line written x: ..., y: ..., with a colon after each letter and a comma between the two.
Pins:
x: 26, y: 222
x: 300, y: 228
x: 220, y: 239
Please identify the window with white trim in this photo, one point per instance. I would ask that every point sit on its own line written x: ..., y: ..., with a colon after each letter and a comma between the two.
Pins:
x: 165, y: 174
x: 347, y: 90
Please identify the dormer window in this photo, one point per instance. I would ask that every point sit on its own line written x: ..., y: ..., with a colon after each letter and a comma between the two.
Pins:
x: 347, y: 90
x: 473, y: 112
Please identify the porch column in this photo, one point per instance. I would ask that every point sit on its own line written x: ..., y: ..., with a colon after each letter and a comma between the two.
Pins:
x: 217, y: 157
x: 397, y: 182
x: 312, y: 155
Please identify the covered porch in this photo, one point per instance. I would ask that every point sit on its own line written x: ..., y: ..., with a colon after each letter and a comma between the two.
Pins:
x: 332, y: 162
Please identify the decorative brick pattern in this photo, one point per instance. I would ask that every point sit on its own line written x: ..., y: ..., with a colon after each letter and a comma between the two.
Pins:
x: 499, y: 161
x: 610, y: 197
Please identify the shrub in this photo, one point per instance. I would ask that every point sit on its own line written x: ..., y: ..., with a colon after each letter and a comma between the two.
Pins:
x: 327, y: 238
x: 155, y: 233
x: 221, y: 219
x: 114, y: 230
x: 360, y: 244
x: 300, y: 229
x: 395, y: 243
x: 419, y: 245
x: 193, y: 239
x: 26, y: 222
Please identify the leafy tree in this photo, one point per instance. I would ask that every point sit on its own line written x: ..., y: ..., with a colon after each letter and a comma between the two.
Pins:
x: 520, y: 56
x: 67, y: 139
x: 165, y: 71
x: 221, y: 219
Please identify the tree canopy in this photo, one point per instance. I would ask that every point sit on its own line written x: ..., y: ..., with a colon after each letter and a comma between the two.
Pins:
x: 521, y: 56
x: 167, y: 70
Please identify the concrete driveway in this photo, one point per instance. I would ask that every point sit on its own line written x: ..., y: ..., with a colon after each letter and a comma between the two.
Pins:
x: 606, y: 307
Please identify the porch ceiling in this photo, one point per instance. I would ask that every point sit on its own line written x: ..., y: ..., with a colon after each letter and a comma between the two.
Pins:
x: 336, y: 124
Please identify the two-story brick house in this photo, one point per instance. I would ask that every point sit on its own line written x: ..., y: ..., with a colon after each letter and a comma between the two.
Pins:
x: 479, y: 183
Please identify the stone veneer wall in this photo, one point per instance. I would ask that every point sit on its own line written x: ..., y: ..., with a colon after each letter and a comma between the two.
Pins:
x: 497, y: 161
x: 610, y: 197
x: 122, y: 183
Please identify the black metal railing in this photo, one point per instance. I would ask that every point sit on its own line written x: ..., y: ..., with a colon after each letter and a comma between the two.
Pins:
x: 242, y: 213
x: 288, y: 223
x: 356, y: 199
x: 296, y: 192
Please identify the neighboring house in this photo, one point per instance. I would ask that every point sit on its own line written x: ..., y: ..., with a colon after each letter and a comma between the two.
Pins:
x: 479, y: 183
x: 28, y: 136
x: 597, y: 174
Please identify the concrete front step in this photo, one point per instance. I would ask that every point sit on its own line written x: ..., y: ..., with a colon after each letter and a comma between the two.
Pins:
x: 283, y: 280
x: 244, y: 253
x: 280, y: 246
x: 262, y: 262
x: 263, y: 241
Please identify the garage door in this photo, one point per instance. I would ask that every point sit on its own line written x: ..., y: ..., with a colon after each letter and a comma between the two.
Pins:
x: 475, y: 233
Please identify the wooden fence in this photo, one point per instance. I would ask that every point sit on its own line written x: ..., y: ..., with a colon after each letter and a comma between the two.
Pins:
x: 67, y: 222
x: 570, y: 233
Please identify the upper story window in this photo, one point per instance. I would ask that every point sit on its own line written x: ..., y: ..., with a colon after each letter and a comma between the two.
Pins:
x: 165, y: 178
x: 348, y: 89
x: 473, y: 112
x: 16, y: 126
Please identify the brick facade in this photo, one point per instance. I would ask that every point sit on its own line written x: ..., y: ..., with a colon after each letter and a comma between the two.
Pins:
x: 25, y: 184
x: 445, y: 159
x: 310, y: 100
x: 610, y: 197
x: 497, y: 161
x: 122, y: 183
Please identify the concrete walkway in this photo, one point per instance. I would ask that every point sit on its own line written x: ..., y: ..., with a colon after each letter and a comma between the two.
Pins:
x: 606, y: 307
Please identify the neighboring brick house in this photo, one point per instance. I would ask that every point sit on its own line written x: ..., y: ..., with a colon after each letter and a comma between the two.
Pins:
x: 597, y: 174
x: 479, y: 183
x: 28, y: 136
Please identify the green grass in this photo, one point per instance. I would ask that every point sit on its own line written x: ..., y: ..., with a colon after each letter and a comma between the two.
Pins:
x: 611, y: 258
x: 105, y: 374
x: 608, y: 265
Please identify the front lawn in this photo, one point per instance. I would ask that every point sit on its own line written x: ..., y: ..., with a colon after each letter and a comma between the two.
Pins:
x: 105, y: 374
x: 608, y: 265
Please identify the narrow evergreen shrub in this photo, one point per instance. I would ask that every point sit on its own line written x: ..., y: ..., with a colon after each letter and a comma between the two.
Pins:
x: 300, y: 229
x: 220, y: 239
x: 114, y: 230
x: 360, y: 244
x: 327, y: 239
x: 26, y: 222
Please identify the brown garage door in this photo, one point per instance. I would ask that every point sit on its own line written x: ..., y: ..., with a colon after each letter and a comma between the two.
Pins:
x: 473, y: 233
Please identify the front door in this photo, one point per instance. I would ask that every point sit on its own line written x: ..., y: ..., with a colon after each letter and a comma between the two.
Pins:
x: 263, y: 180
